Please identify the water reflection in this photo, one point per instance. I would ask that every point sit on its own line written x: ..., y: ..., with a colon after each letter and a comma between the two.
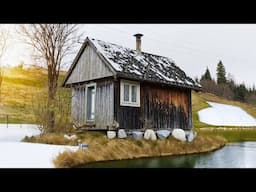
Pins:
x: 233, y: 155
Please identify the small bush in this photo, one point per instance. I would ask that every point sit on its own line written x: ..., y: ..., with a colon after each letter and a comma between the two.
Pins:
x: 51, y: 138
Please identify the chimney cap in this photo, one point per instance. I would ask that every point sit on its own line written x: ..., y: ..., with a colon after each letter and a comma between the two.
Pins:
x: 138, y: 35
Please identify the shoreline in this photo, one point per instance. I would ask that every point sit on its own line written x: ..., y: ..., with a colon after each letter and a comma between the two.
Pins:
x: 161, y: 155
x: 148, y: 149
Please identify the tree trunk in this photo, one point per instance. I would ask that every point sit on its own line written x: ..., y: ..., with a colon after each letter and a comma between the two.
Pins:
x: 52, y: 88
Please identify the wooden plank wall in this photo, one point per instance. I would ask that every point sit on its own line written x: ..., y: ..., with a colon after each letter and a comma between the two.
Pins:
x: 88, y: 67
x: 166, y: 107
x: 161, y: 107
x: 104, y: 111
x: 78, y: 105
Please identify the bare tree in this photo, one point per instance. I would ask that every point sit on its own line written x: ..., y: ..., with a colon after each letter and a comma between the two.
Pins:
x: 3, y: 42
x: 52, y: 43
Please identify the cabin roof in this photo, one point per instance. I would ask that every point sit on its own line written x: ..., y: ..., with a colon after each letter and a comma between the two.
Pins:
x: 143, y: 66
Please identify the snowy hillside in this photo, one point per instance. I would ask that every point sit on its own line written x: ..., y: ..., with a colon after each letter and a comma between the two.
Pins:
x: 225, y: 115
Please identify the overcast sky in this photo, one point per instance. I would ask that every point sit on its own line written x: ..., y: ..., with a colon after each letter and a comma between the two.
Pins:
x: 193, y: 47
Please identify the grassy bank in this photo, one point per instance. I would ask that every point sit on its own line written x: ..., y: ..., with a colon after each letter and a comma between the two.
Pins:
x: 232, y: 135
x: 103, y: 149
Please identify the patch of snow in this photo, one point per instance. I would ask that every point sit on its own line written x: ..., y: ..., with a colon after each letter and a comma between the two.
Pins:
x: 136, y: 72
x: 163, y: 76
x: 30, y: 155
x: 106, y: 56
x: 15, y: 154
x: 16, y: 132
x: 225, y: 115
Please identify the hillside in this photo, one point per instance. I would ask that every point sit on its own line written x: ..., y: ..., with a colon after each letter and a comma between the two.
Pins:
x: 19, y: 87
x: 199, y: 102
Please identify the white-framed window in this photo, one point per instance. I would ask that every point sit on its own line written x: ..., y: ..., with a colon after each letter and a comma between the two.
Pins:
x: 90, y: 101
x: 129, y: 93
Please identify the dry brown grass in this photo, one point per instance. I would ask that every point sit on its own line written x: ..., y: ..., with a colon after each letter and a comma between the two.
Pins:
x: 118, y: 149
x: 53, y: 138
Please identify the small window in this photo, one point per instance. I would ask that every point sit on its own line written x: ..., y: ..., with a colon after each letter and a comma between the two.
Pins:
x: 126, y: 92
x: 134, y: 93
x: 130, y: 93
x: 90, y: 102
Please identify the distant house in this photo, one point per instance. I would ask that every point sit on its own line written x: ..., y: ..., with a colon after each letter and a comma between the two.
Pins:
x: 117, y: 87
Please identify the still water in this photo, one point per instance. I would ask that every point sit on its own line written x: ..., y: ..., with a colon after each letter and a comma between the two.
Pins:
x: 233, y: 155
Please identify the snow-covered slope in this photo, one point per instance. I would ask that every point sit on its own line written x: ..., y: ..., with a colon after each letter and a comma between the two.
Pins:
x: 225, y: 115
x: 16, y: 154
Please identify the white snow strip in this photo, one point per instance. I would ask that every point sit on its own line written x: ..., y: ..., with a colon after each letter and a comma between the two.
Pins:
x: 163, y: 76
x: 135, y: 71
x: 225, y: 115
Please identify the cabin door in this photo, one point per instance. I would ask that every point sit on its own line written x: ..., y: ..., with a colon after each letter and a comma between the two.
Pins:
x: 90, y: 113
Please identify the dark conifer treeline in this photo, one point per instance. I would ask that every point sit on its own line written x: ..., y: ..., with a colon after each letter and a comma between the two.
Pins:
x: 226, y: 87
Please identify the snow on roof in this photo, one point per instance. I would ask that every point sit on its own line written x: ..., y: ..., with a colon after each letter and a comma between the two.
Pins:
x: 143, y: 66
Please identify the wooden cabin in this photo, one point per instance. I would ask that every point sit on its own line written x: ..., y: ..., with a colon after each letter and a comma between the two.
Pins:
x: 115, y: 87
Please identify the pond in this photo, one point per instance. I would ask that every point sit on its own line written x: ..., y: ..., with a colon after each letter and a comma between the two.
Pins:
x: 233, y: 155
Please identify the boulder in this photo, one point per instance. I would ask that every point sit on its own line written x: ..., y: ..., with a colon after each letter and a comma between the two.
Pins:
x: 163, y: 134
x: 137, y: 135
x: 67, y: 137
x: 111, y: 134
x: 121, y: 134
x: 179, y: 134
x: 73, y: 137
x: 191, y: 136
x: 150, y: 135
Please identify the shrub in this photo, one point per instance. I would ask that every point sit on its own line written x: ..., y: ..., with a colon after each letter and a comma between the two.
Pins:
x: 50, y: 138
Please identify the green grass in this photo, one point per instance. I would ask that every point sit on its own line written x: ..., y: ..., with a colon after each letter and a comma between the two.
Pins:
x: 232, y: 135
x: 18, y: 88
x: 198, y: 103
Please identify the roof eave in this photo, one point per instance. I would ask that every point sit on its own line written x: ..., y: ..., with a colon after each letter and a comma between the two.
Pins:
x: 141, y: 79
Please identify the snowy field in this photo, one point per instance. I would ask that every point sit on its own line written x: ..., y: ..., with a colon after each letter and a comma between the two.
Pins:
x: 16, y: 154
x: 225, y: 115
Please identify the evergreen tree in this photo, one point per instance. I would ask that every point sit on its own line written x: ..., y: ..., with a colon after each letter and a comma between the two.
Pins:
x: 206, y: 75
x: 240, y: 92
x: 221, y: 73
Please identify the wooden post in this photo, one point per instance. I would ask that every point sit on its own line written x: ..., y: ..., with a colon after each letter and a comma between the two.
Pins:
x: 7, y: 121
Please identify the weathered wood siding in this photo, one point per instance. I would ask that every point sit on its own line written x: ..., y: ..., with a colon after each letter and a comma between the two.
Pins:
x: 161, y: 107
x: 104, y: 111
x: 104, y: 106
x: 166, y: 107
x: 78, y: 105
x: 89, y: 67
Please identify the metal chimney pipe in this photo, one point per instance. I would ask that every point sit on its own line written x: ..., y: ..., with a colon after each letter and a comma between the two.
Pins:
x: 138, y: 42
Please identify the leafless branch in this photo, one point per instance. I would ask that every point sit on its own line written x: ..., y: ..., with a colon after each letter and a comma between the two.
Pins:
x: 51, y: 43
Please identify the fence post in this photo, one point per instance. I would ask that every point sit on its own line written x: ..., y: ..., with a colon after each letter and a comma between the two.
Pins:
x: 7, y: 121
